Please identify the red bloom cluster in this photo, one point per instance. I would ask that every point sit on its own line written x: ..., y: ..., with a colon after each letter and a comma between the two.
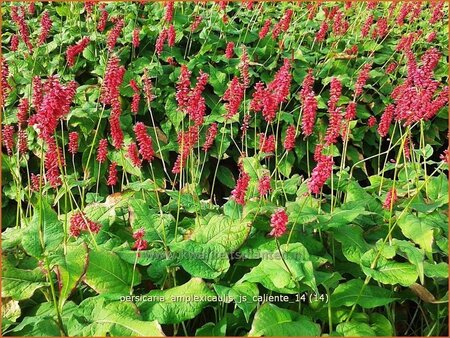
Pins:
x: 79, y: 222
x: 390, y: 200
x: 386, y: 120
x: 23, y: 142
x: 135, y: 39
x: 289, y: 140
x: 102, y: 150
x: 391, y: 67
x: 112, y: 174
x: 196, y: 22
x: 438, y: 13
x: 367, y: 25
x: 267, y: 100
x: 103, y: 19
x: 229, y: 51
x: 73, y: 51
x: 362, y: 78
x: 38, y: 92
x: 22, y: 112
x: 8, y: 138
x: 114, y: 33
x: 35, y: 182
x: 321, y: 34
x: 278, y: 222
x: 238, y: 193
x: 140, y: 243
x: 186, y: 142
x: 320, y: 173
x: 136, y: 96
x: 340, y: 25
x: 160, y: 41
x: 133, y: 155
x: 53, y: 161
x: 196, y: 106
x: 46, y: 25
x: 265, y: 29
x: 264, y: 185
x: 350, y: 111
x: 210, y: 136
x: 109, y: 94
x: 148, y: 87
x: 168, y: 16
x: 381, y: 28
x: 55, y: 104
x: 431, y: 37
x: 144, y: 141
x: 19, y: 19
x: 14, y: 43
x: 171, y: 36
x: 418, y: 97
x: 243, y: 68
x: 372, y: 121
x: 73, y: 142
x: 283, y: 24
x: 233, y: 96
x: 266, y: 144
x: 183, y: 88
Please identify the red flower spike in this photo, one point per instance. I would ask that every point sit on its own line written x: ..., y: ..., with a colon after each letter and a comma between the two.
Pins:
x: 278, y: 222
x: 102, y: 150
x: 144, y: 141
x: 73, y: 142
x: 112, y: 174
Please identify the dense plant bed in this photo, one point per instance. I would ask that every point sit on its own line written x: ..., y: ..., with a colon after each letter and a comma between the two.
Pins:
x: 224, y: 168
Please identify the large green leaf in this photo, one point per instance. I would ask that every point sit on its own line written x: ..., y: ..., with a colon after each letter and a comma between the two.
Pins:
x: 243, y: 294
x: 274, y: 275
x: 120, y: 319
x: 352, y: 292
x: 202, y: 260
x: 45, y: 232
x: 352, y: 241
x: 220, y: 229
x: 177, y: 304
x: 355, y: 329
x: 70, y: 267
x: 20, y: 284
x: 418, y: 230
x: 271, y: 320
x: 107, y: 273
x: 156, y: 226
x: 388, y: 271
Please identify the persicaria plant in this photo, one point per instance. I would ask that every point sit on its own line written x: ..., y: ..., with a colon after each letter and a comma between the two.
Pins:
x: 224, y: 168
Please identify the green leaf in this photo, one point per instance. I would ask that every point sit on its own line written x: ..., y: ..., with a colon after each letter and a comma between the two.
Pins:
x: 420, y: 231
x: 10, y: 312
x: 352, y: 292
x: 355, y: 329
x: 273, y: 274
x: 223, y: 230
x: 44, y: 220
x: 243, y: 294
x: 352, y: 241
x: 202, y: 260
x: 271, y: 320
x: 120, y: 319
x: 177, y: 304
x: 217, y: 80
x: 20, y: 284
x: 213, y: 329
x: 70, y: 266
x: 107, y: 273
x: 388, y: 271
x: 226, y: 177
x: 286, y: 164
